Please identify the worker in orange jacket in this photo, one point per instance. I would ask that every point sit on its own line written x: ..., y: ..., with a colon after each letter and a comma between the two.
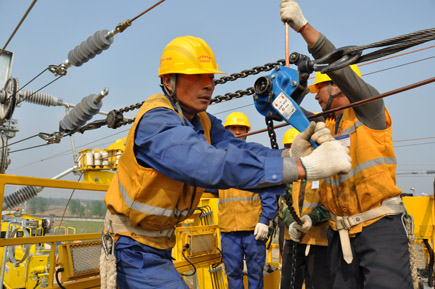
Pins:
x: 304, y: 255
x: 367, y: 240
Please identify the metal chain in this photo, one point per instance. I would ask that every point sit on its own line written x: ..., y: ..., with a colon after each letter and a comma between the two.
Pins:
x: 289, y: 202
x: 116, y: 119
x: 271, y: 133
x: 245, y: 73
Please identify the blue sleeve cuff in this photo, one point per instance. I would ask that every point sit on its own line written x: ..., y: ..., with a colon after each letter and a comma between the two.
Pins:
x: 273, y: 170
x: 264, y: 220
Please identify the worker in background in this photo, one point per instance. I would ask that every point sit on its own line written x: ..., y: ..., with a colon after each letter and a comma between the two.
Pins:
x: 310, y: 257
x: 244, y: 219
x: 174, y: 150
x: 367, y: 242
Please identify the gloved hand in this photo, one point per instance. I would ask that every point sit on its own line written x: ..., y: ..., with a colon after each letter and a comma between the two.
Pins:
x: 328, y: 159
x: 301, y: 144
x: 292, y: 14
x: 261, y: 231
x: 296, y: 231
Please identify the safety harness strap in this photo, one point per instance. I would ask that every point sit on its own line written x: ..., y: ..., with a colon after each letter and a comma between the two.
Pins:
x: 121, y: 224
x: 392, y: 206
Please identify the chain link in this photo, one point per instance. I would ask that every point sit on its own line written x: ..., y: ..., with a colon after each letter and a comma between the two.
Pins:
x: 271, y: 133
x: 119, y: 120
x: 245, y: 73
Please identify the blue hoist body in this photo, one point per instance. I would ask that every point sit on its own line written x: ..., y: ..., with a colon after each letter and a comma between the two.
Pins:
x: 278, y: 95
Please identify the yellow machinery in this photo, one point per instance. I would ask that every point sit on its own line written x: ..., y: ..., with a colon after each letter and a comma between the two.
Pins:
x: 24, y: 266
x: 72, y: 260
x: 423, y: 212
x: 39, y: 260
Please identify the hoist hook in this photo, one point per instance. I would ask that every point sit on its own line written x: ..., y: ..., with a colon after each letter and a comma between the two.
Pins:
x: 337, y: 59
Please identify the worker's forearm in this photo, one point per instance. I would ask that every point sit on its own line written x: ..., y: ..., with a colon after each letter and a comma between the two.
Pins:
x: 310, y: 34
x: 301, y: 170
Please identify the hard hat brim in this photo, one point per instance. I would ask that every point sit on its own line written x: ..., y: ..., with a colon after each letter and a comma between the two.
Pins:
x: 313, y: 88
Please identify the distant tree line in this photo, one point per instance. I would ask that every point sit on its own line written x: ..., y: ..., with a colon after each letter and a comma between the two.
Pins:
x: 81, y: 208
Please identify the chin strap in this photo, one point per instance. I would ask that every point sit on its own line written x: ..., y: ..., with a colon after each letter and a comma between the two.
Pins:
x: 180, y: 108
x: 331, y: 97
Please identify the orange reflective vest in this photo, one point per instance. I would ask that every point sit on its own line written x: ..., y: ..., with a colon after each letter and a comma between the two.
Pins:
x: 372, y: 178
x: 151, y: 200
x: 317, y: 234
x: 238, y: 210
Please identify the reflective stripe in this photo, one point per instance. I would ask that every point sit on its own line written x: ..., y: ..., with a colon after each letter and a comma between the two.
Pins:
x: 240, y: 199
x: 115, y: 224
x: 147, y: 209
x: 310, y: 205
x: 360, y: 168
x: 352, y: 129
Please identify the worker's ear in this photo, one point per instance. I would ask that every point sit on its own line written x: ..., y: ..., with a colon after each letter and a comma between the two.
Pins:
x: 166, y: 80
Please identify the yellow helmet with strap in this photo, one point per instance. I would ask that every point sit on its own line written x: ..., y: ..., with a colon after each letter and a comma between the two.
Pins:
x: 237, y: 118
x: 188, y: 55
x: 289, y: 136
x: 323, y: 77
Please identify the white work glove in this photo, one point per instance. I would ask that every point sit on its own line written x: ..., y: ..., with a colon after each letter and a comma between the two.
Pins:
x: 296, y: 231
x: 328, y: 159
x: 261, y: 231
x: 301, y: 145
x: 292, y: 14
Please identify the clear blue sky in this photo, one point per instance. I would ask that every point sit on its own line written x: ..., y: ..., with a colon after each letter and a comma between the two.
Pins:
x: 242, y: 33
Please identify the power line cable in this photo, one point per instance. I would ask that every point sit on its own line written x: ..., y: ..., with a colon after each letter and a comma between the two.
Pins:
x: 365, y: 74
x: 354, y: 104
x: 18, y: 26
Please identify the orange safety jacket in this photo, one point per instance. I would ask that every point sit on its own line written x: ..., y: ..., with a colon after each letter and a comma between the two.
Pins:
x: 372, y: 178
x: 149, y: 199
x: 238, y: 210
x: 316, y: 235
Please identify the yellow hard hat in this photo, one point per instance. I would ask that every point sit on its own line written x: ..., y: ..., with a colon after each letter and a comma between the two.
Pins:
x: 289, y: 136
x: 323, y: 77
x: 188, y: 55
x: 237, y: 118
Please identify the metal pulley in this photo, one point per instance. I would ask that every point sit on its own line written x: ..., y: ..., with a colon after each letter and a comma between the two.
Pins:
x: 114, y: 118
x: 8, y: 99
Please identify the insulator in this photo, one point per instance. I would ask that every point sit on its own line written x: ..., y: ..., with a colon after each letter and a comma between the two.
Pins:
x: 89, y: 159
x: 97, y: 158
x: 92, y: 46
x: 20, y: 196
x: 40, y: 98
x: 105, y: 158
x: 79, y: 115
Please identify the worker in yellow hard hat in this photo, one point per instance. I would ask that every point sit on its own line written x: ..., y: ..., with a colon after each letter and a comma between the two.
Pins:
x: 365, y: 247
x: 173, y: 151
x: 333, y: 90
x: 244, y: 219
x: 289, y: 137
x: 238, y: 124
x: 310, y: 259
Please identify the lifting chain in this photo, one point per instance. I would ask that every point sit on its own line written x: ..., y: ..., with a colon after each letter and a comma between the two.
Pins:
x: 245, y: 73
x: 116, y: 119
x: 271, y: 133
x: 289, y: 202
